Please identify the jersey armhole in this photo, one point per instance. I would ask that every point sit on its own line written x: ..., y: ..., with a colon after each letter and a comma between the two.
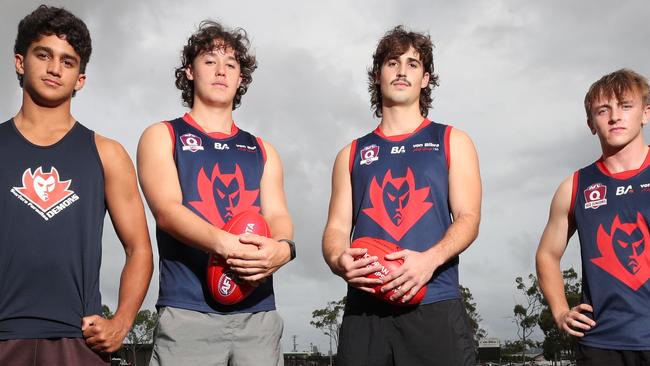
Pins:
x: 262, y: 149
x: 171, y: 134
x: 447, y: 147
x: 353, y: 151
x: 574, y: 194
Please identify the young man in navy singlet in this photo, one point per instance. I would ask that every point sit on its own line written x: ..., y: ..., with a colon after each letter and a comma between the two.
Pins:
x: 58, y: 179
x: 197, y: 172
x: 608, y: 204
x: 402, y: 183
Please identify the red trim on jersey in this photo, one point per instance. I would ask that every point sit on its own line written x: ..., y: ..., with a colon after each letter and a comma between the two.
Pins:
x: 574, y: 193
x: 171, y: 134
x: 626, y: 174
x: 403, y: 136
x: 353, y: 151
x: 262, y: 149
x: 447, y: 148
x: 215, y: 135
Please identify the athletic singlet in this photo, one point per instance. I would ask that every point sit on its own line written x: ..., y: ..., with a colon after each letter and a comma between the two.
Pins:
x: 611, y: 213
x: 220, y: 176
x: 51, y: 219
x: 400, y: 187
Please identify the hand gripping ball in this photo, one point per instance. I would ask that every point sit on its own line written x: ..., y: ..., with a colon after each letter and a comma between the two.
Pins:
x: 224, y: 285
x: 379, y: 248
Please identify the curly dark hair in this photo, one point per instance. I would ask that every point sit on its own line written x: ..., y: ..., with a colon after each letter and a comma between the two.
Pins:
x: 203, y: 40
x: 47, y: 21
x: 616, y: 85
x: 394, y: 43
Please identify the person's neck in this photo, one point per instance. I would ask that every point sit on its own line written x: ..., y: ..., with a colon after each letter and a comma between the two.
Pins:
x: 399, y: 120
x: 629, y: 157
x: 213, y: 119
x: 43, y: 125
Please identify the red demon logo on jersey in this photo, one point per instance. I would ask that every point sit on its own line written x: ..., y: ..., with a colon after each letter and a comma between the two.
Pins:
x: 623, y: 251
x: 396, y: 204
x: 223, y: 196
x: 44, y: 189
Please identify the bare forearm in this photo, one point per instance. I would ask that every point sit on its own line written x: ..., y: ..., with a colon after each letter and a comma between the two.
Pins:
x: 184, y: 225
x: 281, y: 226
x: 551, y: 283
x: 458, y: 237
x: 334, y: 244
x: 134, y: 282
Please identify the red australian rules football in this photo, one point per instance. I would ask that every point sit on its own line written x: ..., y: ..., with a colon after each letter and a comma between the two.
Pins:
x: 379, y: 248
x: 224, y: 285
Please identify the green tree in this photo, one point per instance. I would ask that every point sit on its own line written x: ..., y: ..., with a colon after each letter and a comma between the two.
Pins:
x: 142, y: 330
x: 526, y: 314
x: 474, y: 317
x: 328, y: 320
x: 557, y: 344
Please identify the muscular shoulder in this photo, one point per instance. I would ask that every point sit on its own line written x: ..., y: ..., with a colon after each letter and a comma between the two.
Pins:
x: 112, y: 154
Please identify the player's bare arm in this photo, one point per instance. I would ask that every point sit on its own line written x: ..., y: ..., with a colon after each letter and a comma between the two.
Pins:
x: 549, y: 253
x: 465, y: 204
x: 272, y: 254
x: 336, y: 238
x: 160, y: 185
x: 127, y: 214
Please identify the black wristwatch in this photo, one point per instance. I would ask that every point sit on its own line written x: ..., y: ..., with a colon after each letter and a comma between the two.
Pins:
x: 292, y: 247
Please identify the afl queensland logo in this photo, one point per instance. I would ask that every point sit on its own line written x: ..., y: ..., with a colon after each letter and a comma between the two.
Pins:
x: 227, y: 283
x: 191, y: 142
x: 369, y: 154
x: 595, y: 196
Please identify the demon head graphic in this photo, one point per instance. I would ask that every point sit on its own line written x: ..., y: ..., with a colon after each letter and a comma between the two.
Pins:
x: 396, y: 204
x: 44, y: 189
x: 623, y: 253
x: 223, y: 195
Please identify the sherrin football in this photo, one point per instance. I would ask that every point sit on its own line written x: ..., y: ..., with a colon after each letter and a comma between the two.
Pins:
x: 224, y: 285
x: 380, y: 248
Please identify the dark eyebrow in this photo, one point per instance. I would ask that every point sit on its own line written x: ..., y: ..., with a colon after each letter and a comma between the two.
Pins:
x: 43, y: 48
x: 65, y: 56
x: 411, y: 59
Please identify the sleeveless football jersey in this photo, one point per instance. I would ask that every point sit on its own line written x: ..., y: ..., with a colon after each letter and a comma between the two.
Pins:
x: 611, y: 213
x: 220, y: 177
x: 51, y: 219
x: 400, y: 187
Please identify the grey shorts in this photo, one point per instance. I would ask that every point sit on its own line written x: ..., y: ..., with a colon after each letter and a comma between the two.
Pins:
x: 188, y: 338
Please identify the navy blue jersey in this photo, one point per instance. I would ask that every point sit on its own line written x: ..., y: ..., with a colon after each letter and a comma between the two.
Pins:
x: 611, y: 213
x: 220, y: 177
x: 400, y: 189
x: 51, y: 219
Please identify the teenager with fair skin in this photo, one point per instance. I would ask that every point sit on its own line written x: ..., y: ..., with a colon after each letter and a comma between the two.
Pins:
x: 38, y: 324
x: 605, y: 202
x: 401, y: 82
x: 215, y: 73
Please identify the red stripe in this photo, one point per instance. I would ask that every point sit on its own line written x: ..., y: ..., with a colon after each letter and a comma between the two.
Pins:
x: 447, y: 149
x: 259, y: 142
x: 353, y: 151
x: 626, y: 174
x: 401, y: 137
x: 215, y: 135
x: 171, y: 134
x: 574, y: 194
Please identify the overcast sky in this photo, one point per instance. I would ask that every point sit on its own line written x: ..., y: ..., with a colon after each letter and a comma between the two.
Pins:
x: 513, y: 75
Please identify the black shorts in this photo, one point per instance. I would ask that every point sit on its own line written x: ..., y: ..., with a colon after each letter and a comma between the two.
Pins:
x: 50, y: 352
x: 591, y: 356
x: 432, y: 334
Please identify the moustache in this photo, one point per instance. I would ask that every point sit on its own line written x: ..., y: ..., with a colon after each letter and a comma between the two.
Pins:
x: 402, y: 80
